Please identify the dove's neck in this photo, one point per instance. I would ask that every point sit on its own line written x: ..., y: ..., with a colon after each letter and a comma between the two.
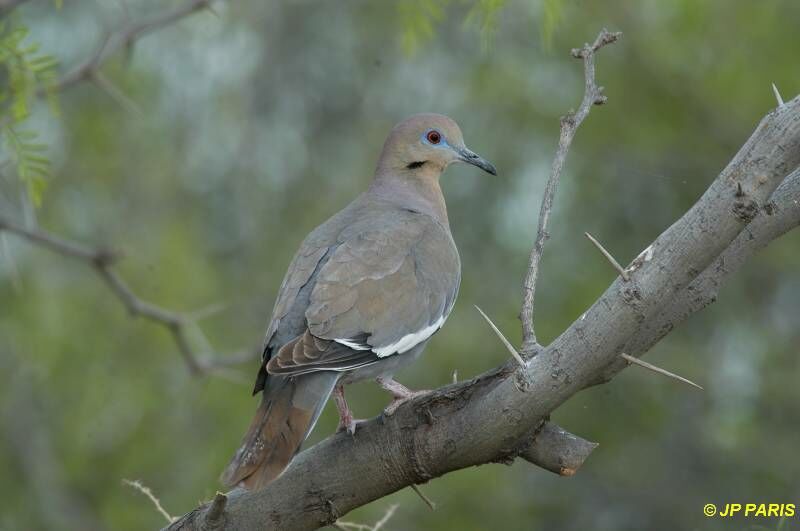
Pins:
x: 416, y: 189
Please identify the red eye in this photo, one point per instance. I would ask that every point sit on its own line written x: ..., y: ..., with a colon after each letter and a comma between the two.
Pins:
x: 434, y: 137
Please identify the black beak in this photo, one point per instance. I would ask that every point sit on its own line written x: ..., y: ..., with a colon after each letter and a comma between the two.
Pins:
x: 465, y: 155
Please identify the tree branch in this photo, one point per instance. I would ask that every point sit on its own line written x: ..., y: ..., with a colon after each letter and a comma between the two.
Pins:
x: 780, y: 215
x: 557, y: 450
x: 102, y: 262
x: 490, y: 419
x: 125, y: 38
x: 593, y: 95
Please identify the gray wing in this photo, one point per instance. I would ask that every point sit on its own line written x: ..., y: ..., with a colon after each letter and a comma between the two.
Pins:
x: 288, y: 315
x: 388, y: 284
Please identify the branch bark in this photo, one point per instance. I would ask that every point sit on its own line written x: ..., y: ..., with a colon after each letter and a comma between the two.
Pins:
x: 780, y: 215
x: 491, y: 418
x: 557, y: 450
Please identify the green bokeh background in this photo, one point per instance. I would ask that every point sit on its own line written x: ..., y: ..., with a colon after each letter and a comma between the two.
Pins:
x: 257, y: 123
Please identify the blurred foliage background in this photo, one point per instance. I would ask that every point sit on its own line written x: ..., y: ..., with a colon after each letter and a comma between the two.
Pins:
x: 232, y: 134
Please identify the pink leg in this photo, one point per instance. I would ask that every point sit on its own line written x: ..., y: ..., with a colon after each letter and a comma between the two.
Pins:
x: 400, y: 393
x: 346, y: 420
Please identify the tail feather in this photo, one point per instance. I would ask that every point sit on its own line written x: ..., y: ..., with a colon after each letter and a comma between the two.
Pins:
x: 288, y: 411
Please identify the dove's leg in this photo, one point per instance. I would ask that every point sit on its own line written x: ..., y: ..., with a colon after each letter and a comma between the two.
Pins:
x: 346, y: 420
x: 400, y: 393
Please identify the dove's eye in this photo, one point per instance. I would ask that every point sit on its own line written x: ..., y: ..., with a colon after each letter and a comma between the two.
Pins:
x: 434, y: 137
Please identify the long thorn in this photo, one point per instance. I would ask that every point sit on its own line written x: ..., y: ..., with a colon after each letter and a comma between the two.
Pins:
x: 505, y: 341
x: 659, y: 370
x: 424, y: 498
x: 777, y: 95
x: 611, y: 259
x: 149, y: 493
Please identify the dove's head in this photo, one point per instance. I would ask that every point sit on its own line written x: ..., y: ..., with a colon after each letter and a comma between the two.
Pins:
x: 426, y: 144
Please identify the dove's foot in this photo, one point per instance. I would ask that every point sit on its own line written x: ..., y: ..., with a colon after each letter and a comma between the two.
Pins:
x: 400, y: 393
x: 346, y: 419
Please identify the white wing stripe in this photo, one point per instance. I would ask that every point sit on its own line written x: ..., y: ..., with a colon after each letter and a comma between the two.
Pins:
x: 409, y: 341
x: 404, y: 344
x: 352, y: 344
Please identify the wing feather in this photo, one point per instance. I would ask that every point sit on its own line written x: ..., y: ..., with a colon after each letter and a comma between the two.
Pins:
x: 386, y: 284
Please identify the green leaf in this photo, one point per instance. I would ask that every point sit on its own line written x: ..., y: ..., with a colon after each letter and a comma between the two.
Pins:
x: 32, y: 168
x: 28, y: 73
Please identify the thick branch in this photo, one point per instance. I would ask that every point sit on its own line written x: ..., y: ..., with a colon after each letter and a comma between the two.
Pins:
x: 780, y: 215
x: 557, y: 450
x: 489, y: 419
x: 593, y: 95
x: 102, y: 261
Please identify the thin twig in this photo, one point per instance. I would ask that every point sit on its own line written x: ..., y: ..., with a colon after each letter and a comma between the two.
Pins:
x: 505, y: 341
x: 424, y: 498
x: 101, y: 261
x: 659, y: 370
x: 149, y: 493
x: 386, y: 517
x: 593, y: 95
x: 777, y: 95
x: 352, y: 526
x: 611, y: 259
x: 111, y: 43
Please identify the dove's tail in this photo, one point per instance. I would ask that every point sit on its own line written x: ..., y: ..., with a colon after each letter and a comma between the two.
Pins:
x: 290, y: 407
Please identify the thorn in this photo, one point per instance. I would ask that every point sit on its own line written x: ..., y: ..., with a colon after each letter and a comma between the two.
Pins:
x: 659, y: 370
x: 424, y: 498
x: 777, y: 95
x: 216, y: 509
x: 739, y: 191
x: 505, y: 341
x: 611, y: 259
x: 455, y: 376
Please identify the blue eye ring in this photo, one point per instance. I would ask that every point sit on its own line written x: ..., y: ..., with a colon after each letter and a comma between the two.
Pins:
x: 434, y: 137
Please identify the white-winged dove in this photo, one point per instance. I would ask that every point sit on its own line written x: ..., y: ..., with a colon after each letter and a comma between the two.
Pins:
x: 362, y: 296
